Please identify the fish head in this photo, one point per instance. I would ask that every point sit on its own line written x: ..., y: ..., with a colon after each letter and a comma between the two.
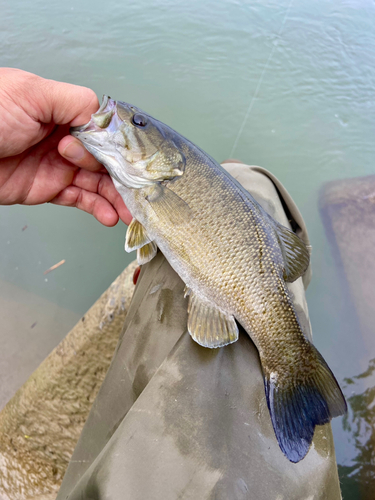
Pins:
x: 136, y: 149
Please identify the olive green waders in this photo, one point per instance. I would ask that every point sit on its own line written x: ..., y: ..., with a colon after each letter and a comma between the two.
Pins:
x: 174, y: 420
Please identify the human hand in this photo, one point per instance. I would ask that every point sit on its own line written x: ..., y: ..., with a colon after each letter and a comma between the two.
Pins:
x: 39, y: 161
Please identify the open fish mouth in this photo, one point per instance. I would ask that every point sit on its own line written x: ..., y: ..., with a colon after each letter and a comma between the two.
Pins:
x: 109, y: 137
x: 99, y: 120
x: 96, y: 136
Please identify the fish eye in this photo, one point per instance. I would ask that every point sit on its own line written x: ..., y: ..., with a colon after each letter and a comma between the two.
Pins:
x: 139, y: 120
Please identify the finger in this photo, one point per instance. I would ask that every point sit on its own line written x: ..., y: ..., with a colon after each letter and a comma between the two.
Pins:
x: 47, y: 100
x: 108, y: 191
x: 122, y: 210
x: 70, y: 103
x: 102, y: 184
x: 72, y: 150
x: 89, y: 202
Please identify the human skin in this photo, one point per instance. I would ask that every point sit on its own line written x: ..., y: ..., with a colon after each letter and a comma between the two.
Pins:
x: 39, y: 161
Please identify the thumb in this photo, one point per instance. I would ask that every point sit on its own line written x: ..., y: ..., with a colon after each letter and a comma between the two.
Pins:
x: 48, y: 101
x: 69, y: 103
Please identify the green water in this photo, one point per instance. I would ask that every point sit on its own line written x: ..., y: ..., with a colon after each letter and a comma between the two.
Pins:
x: 288, y: 85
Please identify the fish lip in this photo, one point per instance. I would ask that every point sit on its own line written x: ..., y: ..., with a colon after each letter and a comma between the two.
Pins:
x: 106, y: 105
x: 75, y: 131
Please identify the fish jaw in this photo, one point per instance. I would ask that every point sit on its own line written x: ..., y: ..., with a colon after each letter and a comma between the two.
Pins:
x: 115, y: 137
x: 98, y: 140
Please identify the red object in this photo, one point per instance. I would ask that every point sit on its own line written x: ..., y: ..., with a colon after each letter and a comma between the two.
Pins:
x: 136, y: 274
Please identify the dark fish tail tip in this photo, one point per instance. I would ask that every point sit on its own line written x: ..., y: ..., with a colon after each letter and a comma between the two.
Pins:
x: 297, y: 408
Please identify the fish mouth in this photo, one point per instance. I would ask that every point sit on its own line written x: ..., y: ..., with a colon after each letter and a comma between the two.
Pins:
x: 108, y: 105
x: 104, y: 138
x: 96, y: 137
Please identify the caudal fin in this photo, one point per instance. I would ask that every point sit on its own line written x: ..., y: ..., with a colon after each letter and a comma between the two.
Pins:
x: 298, y: 406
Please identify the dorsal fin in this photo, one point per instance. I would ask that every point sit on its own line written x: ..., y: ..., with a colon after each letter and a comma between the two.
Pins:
x: 295, y: 253
x: 209, y: 326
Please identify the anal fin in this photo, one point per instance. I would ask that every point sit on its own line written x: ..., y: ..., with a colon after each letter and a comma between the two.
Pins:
x: 209, y: 326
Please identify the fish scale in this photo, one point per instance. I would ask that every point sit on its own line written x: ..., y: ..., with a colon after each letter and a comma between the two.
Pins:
x: 241, y: 272
x: 233, y: 257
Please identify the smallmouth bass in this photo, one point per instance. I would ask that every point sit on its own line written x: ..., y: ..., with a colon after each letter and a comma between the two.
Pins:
x: 233, y: 257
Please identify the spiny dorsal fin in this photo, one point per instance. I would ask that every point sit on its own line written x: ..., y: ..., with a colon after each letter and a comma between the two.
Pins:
x: 298, y: 406
x: 146, y: 253
x: 295, y: 253
x: 136, y: 236
x: 209, y: 326
x: 168, y: 205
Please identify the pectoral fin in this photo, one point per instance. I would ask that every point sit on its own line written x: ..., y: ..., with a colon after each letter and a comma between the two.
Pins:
x: 209, y: 326
x: 168, y: 205
x: 295, y: 253
x: 136, y: 236
x: 146, y: 253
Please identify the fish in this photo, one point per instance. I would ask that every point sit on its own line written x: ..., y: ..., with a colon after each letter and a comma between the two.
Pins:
x: 233, y: 257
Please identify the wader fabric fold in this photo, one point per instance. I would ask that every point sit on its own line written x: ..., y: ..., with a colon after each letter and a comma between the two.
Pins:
x: 174, y: 420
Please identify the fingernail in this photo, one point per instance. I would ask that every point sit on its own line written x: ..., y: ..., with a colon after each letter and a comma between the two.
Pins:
x: 74, y: 151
